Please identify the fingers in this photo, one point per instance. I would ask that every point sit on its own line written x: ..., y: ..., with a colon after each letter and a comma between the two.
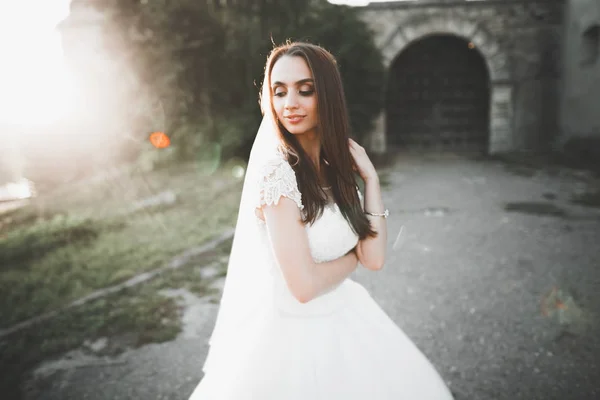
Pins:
x: 353, y: 152
x: 354, y: 146
x: 357, y: 153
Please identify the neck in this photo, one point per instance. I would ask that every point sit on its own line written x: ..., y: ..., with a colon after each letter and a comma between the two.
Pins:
x: 312, y: 147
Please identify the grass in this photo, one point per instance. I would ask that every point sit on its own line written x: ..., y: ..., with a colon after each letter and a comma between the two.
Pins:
x: 89, y: 235
x: 130, y: 318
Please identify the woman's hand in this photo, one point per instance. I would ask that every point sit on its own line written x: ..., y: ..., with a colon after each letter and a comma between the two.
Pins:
x: 362, y: 162
x: 370, y: 251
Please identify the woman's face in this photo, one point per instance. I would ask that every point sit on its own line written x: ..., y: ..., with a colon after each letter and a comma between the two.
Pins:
x: 294, y: 96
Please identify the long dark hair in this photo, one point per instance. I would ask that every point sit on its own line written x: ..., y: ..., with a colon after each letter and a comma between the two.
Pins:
x: 334, y: 131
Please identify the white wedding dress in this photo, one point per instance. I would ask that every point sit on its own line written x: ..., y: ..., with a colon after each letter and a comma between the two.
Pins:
x: 340, y: 345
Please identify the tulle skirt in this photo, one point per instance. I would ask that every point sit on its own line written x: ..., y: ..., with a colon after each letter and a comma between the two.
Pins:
x: 339, y: 346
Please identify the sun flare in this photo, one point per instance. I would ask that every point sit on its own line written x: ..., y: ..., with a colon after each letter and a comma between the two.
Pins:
x: 36, y: 88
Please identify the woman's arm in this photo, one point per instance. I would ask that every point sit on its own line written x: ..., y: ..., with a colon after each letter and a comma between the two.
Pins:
x: 371, y: 251
x: 305, y: 278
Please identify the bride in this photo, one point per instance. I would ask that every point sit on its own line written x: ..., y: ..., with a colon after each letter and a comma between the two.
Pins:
x: 292, y: 325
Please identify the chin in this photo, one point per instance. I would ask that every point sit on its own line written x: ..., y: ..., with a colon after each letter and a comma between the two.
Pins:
x: 298, y: 130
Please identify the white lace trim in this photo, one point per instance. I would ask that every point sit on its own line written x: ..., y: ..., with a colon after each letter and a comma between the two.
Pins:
x: 278, y: 179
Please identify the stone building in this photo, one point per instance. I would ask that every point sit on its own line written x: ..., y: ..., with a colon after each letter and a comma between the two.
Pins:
x: 580, y: 87
x: 487, y: 75
x: 468, y: 74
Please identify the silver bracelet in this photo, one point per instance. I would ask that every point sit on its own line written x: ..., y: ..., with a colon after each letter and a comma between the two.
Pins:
x: 385, y: 214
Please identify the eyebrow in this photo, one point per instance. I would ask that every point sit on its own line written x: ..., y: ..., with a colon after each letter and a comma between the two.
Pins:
x: 300, y: 82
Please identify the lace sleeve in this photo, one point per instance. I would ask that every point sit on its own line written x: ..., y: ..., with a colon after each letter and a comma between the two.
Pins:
x: 276, y: 180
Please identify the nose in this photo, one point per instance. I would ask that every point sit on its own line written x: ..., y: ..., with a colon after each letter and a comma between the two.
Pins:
x: 291, y: 101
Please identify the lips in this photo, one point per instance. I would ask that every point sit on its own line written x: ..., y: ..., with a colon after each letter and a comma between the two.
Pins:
x: 294, y: 119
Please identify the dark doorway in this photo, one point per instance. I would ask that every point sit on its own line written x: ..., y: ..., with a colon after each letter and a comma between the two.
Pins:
x: 438, y: 97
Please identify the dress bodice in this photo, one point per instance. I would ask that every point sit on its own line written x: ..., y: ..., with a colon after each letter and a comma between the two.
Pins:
x: 330, y: 236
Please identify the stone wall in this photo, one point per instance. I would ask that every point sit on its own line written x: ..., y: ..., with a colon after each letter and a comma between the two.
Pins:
x: 520, y: 41
x: 580, y: 100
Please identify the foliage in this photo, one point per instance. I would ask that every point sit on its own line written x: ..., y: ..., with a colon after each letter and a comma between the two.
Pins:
x: 337, y: 28
x: 193, y: 68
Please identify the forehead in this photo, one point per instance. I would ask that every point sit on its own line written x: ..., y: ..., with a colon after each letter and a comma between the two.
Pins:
x: 290, y: 69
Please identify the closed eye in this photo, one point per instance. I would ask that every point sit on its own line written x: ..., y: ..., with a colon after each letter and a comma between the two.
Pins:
x: 304, y: 93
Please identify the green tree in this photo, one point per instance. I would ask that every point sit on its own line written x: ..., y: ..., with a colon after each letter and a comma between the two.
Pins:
x: 196, y: 66
x: 252, y: 28
x: 171, y: 45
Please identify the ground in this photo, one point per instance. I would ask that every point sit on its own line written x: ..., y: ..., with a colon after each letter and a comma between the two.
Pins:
x: 495, y: 277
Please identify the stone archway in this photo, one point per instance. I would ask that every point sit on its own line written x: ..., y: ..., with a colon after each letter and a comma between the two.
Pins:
x: 437, y: 96
x: 500, y: 115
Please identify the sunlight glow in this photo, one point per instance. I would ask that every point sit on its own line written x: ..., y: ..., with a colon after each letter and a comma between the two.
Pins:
x: 19, y: 190
x: 34, y: 82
